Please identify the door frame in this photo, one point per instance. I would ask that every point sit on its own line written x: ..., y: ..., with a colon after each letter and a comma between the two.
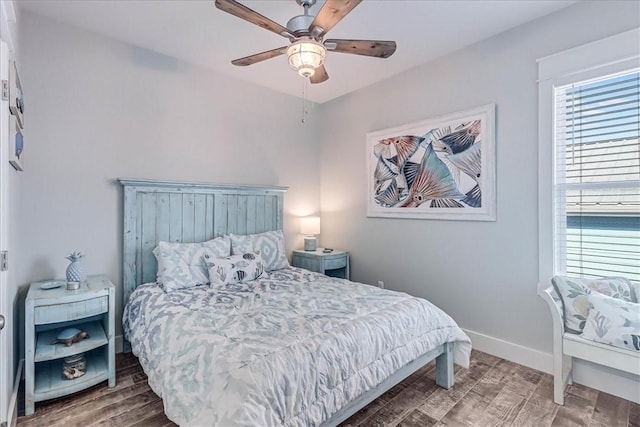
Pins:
x: 6, y: 350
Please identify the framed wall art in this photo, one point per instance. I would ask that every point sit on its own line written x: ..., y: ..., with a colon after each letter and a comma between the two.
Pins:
x: 16, y: 101
x: 439, y: 168
x: 16, y: 144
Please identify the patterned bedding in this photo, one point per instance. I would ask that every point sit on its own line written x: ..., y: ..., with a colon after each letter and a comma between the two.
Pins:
x: 291, y: 348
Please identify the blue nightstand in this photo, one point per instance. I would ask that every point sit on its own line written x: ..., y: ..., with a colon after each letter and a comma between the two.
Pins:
x: 91, y: 308
x: 335, y: 263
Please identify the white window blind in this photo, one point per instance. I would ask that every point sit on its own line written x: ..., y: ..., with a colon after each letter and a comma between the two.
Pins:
x: 597, y: 177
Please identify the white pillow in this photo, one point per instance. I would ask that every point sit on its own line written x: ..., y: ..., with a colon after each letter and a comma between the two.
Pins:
x: 613, y: 321
x: 181, y: 265
x: 270, y: 245
x: 635, y: 291
x: 574, y: 294
x: 234, y: 269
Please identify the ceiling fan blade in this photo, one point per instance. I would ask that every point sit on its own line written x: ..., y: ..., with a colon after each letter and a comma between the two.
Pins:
x: 377, y: 48
x: 243, y: 12
x: 330, y: 14
x: 319, y: 76
x: 252, y: 59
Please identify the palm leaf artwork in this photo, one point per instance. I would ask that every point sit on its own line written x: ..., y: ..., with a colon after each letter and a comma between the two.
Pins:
x: 391, y: 175
x: 434, y: 181
x: 446, y: 203
x: 442, y: 167
x: 388, y: 194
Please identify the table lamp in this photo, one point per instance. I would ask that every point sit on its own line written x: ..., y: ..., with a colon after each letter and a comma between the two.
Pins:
x: 310, y: 227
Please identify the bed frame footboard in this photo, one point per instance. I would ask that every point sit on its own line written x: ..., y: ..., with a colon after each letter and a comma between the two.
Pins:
x: 444, y: 378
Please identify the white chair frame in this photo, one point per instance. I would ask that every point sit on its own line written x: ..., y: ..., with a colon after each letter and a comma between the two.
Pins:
x: 566, y: 346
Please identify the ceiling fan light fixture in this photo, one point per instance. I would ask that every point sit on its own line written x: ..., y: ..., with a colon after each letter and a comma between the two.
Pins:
x: 305, y: 56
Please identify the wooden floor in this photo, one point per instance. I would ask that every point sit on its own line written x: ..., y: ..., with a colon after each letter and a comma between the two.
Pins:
x: 491, y: 392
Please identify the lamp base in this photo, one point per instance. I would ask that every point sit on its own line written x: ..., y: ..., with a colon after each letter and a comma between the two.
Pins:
x: 309, y: 243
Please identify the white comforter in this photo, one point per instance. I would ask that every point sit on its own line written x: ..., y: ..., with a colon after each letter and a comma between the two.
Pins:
x: 289, y: 349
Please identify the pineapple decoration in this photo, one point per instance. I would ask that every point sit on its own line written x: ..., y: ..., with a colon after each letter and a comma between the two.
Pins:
x: 75, y: 270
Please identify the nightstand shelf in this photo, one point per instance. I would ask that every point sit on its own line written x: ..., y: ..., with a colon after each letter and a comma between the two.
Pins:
x: 50, y: 384
x: 91, y: 308
x: 46, y: 351
x: 335, y: 263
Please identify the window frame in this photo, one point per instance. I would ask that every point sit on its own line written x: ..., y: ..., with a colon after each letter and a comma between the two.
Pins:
x: 603, y: 57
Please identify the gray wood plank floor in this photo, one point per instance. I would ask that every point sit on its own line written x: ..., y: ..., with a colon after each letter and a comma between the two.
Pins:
x: 492, y: 392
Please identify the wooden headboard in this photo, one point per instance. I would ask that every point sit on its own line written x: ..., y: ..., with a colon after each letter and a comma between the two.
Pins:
x: 188, y: 212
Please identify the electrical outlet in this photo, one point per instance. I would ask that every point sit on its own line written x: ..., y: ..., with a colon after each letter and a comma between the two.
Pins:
x: 380, y: 284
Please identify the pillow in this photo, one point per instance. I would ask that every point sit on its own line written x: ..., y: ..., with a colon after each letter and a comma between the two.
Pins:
x: 613, y: 321
x: 573, y: 293
x: 181, y: 265
x: 635, y: 291
x: 270, y: 245
x: 241, y: 244
x: 234, y: 269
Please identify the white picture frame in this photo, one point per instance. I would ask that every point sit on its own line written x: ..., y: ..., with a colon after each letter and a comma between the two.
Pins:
x: 439, y: 168
x: 16, y: 99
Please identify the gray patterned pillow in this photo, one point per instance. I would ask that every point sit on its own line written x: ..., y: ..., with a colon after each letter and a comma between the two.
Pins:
x: 613, y: 321
x: 234, y: 269
x: 574, y: 295
x: 181, y: 265
x: 635, y: 291
x: 270, y: 245
x: 241, y: 243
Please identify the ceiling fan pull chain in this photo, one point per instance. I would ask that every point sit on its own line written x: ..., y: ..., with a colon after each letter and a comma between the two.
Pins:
x: 305, y: 110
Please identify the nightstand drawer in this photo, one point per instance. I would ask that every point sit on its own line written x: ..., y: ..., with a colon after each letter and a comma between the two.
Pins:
x: 72, y: 311
x: 332, y: 264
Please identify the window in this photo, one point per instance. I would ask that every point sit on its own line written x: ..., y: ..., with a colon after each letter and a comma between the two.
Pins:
x: 597, y: 177
x: 589, y: 160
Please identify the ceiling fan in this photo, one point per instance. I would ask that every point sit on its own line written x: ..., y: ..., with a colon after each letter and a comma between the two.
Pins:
x: 306, y: 33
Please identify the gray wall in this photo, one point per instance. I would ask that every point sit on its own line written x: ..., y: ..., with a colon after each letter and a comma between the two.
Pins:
x: 484, y: 274
x: 99, y: 109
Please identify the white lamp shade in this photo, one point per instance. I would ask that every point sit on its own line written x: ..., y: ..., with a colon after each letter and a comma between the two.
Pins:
x: 305, y: 56
x: 310, y: 225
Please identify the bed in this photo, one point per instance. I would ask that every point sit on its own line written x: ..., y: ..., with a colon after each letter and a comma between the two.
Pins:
x: 279, y: 350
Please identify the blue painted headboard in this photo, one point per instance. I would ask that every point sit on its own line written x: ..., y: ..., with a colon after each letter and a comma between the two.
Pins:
x: 189, y: 212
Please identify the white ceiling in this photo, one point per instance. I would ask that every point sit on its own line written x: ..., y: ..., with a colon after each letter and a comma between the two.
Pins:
x: 197, y: 32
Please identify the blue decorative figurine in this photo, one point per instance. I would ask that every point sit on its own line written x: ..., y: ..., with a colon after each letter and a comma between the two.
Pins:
x: 75, y: 270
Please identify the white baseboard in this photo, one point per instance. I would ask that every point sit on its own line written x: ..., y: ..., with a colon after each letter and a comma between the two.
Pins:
x: 612, y: 381
x: 12, y: 416
x: 512, y: 352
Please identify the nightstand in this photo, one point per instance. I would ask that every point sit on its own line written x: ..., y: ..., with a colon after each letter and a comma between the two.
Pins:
x: 335, y: 264
x: 90, y: 308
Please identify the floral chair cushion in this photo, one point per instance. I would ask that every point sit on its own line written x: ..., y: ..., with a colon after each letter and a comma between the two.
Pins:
x: 574, y: 294
x: 613, y: 321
